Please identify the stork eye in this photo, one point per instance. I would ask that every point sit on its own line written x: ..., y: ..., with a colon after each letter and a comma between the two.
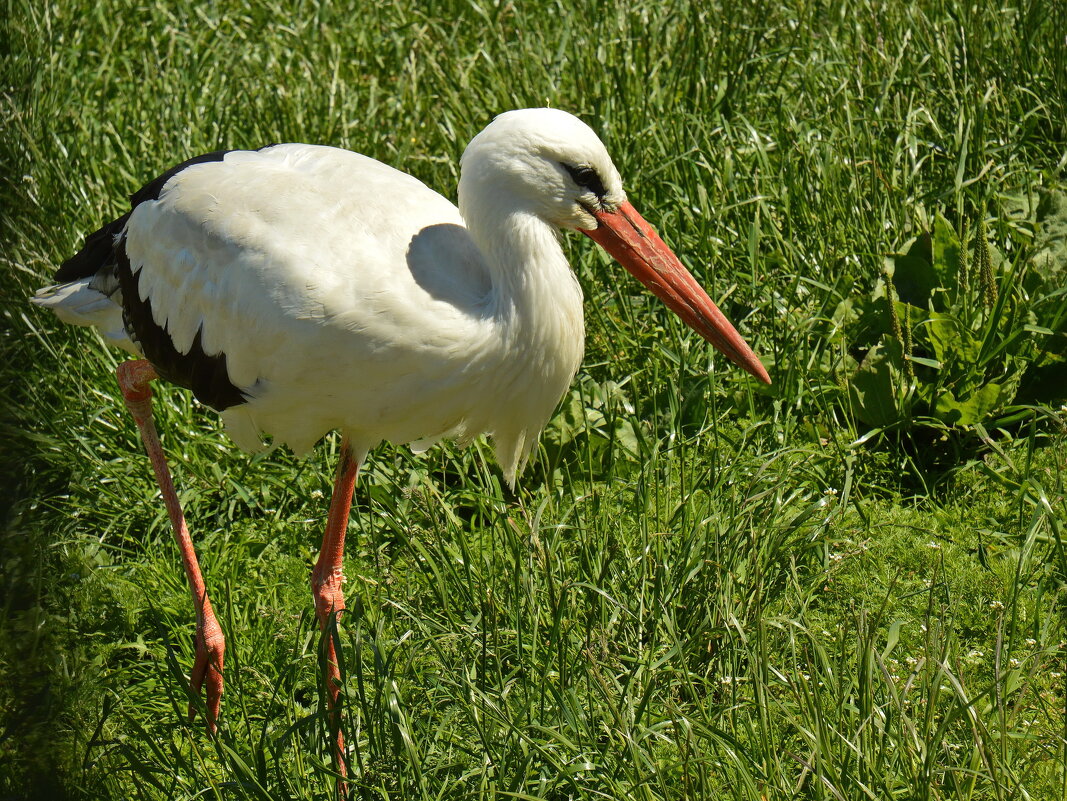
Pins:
x: 586, y: 178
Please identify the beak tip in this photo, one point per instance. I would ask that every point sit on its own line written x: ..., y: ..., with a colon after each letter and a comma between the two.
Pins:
x: 756, y: 369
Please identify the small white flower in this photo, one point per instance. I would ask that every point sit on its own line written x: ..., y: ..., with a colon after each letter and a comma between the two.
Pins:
x: 997, y: 605
x: 1031, y: 641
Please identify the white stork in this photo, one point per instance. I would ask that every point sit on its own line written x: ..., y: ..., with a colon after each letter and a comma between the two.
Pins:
x: 299, y: 289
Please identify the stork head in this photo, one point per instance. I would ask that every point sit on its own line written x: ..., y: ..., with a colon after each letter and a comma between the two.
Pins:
x: 549, y: 163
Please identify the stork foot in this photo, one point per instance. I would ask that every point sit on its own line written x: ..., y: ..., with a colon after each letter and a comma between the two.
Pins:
x: 206, y: 675
x: 326, y: 581
x: 329, y: 604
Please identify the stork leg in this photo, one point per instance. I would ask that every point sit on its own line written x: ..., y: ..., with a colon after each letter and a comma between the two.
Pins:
x: 134, y: 377
x: 326, y: 581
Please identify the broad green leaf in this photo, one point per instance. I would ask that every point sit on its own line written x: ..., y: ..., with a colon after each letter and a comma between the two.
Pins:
x: 626, y: 438
x: 843, y: 313
x: 878, y: 389
x: 970, y: 411
x: 1039, y: 329
x: 913, y: 274
x: 946, y: 253
x: 1050, y: 244
x: 953, y: 344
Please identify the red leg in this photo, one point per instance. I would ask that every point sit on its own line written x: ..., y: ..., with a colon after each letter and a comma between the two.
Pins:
x: 134, y: 377
x: 326, y: 581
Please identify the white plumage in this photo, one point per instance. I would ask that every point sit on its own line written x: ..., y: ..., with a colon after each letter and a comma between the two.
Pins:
x: 348, y: 295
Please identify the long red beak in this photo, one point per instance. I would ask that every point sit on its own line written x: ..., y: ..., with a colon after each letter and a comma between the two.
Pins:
x: 637, y: 247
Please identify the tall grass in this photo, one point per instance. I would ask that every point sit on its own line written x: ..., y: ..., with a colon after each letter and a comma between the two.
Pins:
x: 703, y: 588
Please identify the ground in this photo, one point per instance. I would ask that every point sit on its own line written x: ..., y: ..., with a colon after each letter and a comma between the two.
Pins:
x: 702, y: 588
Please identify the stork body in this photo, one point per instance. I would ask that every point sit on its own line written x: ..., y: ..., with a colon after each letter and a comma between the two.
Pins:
x: 344, y: 294
x: 300, y: 289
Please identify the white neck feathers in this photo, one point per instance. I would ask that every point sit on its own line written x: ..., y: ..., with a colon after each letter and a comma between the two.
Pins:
x: 536, y: 308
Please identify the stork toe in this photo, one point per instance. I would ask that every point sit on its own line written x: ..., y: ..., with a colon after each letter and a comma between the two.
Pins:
x: 206, y: 676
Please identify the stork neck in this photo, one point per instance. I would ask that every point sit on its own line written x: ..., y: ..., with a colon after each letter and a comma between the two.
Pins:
x: 535, y: 333
x: 532, y: 281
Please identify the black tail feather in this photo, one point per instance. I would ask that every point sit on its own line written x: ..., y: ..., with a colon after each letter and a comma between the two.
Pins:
x: 97, y: 253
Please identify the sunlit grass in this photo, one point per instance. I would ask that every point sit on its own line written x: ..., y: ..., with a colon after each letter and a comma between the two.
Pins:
x: 702, y: 588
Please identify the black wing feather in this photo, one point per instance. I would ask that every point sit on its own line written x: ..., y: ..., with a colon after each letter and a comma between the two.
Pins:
x: 205, y: 375
x: 98, y: 251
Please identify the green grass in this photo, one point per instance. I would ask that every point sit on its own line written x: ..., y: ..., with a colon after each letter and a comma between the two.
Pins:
x: 702, y: 589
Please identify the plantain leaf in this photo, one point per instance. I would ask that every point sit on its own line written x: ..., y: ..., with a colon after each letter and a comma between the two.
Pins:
x: 975, y: 408
x: 953, y: 343
x: 878, y: 389
x: 1050, y: 243
x: 914, y: 276
x: 945, y: 249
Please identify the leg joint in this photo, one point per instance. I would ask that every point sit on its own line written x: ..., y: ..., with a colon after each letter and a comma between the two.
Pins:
x: 134, y: 377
